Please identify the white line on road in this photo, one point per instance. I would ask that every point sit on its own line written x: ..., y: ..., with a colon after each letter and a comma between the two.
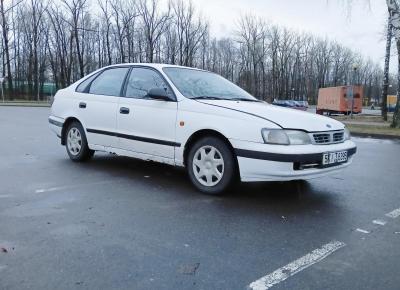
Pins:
x: 295, y: 267
x: 394, y: 213
x: 42, y: 190
x: 379, y: 222
x: 362, y: 231
x: 51, y: 189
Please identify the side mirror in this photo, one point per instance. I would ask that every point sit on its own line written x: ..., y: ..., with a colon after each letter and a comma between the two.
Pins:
x: 159, y: 94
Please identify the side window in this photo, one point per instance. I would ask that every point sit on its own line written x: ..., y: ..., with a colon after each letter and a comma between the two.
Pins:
x: 141, y: 80
x: 109, y: 82
x: 83, y: 85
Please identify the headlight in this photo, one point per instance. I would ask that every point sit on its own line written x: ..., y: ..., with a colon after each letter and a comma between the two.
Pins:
x: 298, y: 137
x: 347, y: 135
x: 285, y: 137
x: 273, y: 136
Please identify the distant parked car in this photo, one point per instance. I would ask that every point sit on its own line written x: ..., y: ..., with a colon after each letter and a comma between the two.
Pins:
x: 299, y: 105
x: 196, y: 119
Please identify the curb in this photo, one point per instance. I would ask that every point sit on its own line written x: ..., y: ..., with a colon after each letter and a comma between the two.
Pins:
x: 375, y: 136
x: 24, y: 105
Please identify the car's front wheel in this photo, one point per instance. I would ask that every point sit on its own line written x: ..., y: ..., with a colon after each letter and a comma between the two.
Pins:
x: 76, y: 143
x: 211, y: 165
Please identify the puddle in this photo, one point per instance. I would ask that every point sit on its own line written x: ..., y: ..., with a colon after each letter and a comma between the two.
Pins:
x: 48, y: 206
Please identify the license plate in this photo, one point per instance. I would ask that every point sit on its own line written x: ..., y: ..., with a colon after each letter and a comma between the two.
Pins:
x: 334, y: 157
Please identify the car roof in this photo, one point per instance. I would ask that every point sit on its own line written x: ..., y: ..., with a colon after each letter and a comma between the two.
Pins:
x: 153, y: 65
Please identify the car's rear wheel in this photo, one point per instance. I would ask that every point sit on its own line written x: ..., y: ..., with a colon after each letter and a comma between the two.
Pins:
x: 211, y: 165
x: 76, y: 143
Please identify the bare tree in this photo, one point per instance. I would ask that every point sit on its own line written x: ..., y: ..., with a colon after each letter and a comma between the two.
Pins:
x: 153, y: 24
x: 394, y: 14
x: 4, y: 23
x: 77, y: 8
x: 386, y: 71
x: 70, y: 40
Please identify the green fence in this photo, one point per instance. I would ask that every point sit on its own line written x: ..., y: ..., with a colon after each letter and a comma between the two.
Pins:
x: 23, y: 91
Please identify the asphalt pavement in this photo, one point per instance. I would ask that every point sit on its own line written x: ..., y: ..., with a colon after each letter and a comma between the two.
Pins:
x: 121, y: 223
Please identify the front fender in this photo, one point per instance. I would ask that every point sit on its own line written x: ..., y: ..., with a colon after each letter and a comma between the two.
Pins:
x: 195, y: 116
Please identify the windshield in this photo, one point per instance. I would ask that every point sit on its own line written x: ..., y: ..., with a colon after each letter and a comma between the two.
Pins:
x: 197, y: 84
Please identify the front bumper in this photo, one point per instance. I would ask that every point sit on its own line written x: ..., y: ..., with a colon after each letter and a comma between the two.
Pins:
x: 264, y: 162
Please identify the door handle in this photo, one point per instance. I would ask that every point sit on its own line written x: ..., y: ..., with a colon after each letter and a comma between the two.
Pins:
x: 82, y: 105
x: 124, y: 110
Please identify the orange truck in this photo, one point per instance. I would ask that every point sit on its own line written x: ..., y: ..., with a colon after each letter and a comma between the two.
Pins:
x: 391, y: 102
x: 335, y: 100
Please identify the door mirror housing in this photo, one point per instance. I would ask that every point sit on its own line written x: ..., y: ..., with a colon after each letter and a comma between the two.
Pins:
x: 159, y: 94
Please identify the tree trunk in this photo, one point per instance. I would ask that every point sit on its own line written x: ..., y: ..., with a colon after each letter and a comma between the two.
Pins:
x: 386, y: 71
x: 394, y: 12
x: 396, y: 115
x: 4, y: 25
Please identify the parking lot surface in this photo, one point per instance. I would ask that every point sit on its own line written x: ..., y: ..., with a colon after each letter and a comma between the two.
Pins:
x: 120, y: 223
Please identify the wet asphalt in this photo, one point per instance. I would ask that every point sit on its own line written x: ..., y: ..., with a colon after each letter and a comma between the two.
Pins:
x: 121, y: 223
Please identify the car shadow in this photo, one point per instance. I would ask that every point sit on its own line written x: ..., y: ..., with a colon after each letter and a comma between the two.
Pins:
x: 288, y: 197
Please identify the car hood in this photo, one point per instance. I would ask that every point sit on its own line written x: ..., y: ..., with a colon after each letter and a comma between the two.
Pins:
x: 284, y: 117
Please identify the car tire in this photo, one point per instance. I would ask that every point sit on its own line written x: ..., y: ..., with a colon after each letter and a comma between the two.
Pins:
x: 76, y: 143
x: 211, y: 166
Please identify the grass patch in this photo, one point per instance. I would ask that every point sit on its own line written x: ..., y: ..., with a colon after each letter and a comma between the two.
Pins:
x: 373, y: 130
x: 364, y: 118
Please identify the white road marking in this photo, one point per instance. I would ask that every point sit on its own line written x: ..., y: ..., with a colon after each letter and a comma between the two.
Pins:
x: 295, y: 267
x: 394, y: 213
x: 379, y: 222
x: 51, y: 189
x: 362, y: 231
x: 42, y: 190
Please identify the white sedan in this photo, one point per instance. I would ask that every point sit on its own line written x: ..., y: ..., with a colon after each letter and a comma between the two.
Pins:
x: 196, y: 119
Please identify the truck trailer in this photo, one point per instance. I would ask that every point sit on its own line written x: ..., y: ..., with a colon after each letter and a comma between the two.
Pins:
x: 391, y: 102
x: 335, y: 100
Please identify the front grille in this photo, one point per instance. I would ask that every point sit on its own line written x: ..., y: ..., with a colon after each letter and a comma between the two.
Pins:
x: 322, y: 138
x: 327, y: 137
x: 338, y: 137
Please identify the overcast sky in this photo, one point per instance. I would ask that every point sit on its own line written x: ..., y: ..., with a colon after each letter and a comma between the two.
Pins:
x: 361, y: 28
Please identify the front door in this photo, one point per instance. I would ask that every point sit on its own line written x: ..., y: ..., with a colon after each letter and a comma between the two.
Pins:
x: 146, y: 126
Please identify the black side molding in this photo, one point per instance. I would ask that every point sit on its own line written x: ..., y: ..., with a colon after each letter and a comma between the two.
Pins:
x: 136, y: 138
x: 314, y: 157
x: 54, y: 122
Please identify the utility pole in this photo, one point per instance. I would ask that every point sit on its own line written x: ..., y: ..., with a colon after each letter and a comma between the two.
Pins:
x: 352, y: 89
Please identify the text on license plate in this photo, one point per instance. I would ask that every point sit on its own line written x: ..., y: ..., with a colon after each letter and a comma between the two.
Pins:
x: 334, y: 157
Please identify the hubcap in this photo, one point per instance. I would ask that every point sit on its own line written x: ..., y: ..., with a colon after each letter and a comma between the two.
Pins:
x: 208, y: 165
x: 74, y: 141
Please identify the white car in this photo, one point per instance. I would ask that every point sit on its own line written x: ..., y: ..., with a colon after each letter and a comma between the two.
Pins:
x: 194, y: 118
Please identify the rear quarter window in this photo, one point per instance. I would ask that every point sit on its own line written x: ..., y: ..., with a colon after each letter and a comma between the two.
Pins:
x: 109, y: 82
x: 82, y: 87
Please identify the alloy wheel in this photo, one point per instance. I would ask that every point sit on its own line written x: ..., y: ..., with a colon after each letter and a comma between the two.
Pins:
x: 74, y: 141
x: 208, y: 165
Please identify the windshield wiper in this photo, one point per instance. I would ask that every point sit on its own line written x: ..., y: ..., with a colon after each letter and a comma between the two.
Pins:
x: 207, y: 98
x: 245, y: 100
x: 224, y: 99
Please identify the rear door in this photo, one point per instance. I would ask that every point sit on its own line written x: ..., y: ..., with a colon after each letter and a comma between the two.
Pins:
x: 98, y: 103
x: 147, y: 126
